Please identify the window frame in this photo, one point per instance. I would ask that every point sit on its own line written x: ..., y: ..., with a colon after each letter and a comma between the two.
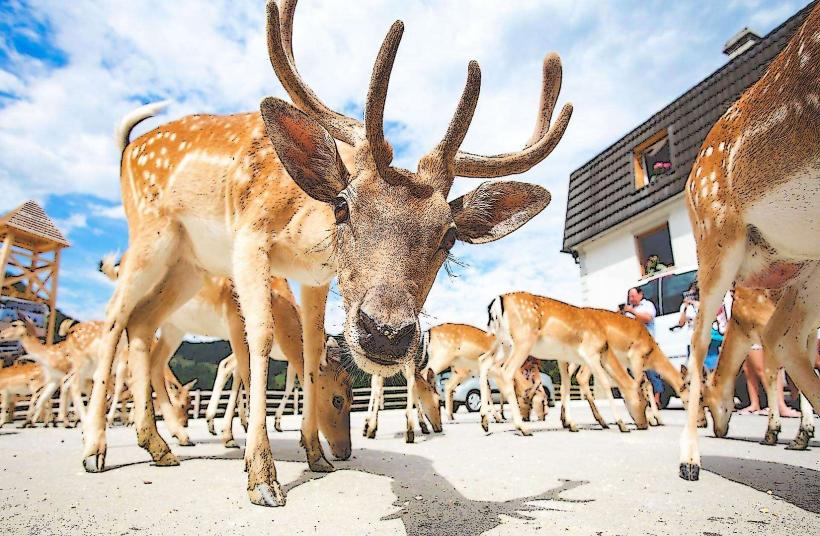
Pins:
x: 637, y: 237
x: 642, y: 175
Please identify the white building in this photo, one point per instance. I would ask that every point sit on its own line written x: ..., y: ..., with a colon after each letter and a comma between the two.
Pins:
x: 627, y: 203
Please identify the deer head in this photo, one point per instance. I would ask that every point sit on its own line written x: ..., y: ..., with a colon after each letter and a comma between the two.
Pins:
x: 394, y: 228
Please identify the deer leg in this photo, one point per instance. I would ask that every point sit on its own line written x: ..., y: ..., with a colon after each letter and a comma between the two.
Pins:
x: 225, y: 367
x: 715, y: 276
x: 718, y: 393
x: 583, y: 377
x: 159, y: 243
x: 230, y: 411
x: 62, y: 414
x: 410, y: 376
x: 566, y: 384
x: 251, y: 280
x: 453, y: 381
x: 422, y: 423
x: 371, y: 424
x: 485, y: 364
x: 806, y: 431
x: 770, y: 374
x: 601, y: 377
x: 44, y: 402
x: 119, y: 382
x: 290, y: 380
x: 169, y: 341
x: 505, y: 379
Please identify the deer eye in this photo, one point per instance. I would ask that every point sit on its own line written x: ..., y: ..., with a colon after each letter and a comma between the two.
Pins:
x: 340, y: 210
x: 449, y: 239
x: 337, y: 401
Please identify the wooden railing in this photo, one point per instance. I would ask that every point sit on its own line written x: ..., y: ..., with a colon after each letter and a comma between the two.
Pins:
x: 395, y: 397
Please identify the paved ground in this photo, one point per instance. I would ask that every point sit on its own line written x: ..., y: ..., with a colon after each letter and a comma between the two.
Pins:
x: 459, y: 482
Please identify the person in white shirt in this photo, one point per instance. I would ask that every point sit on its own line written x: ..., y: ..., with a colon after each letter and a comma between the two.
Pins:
x: 688, y: 312
x: 644, y: 311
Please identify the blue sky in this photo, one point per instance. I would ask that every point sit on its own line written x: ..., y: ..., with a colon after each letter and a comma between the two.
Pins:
x: 70, y: 70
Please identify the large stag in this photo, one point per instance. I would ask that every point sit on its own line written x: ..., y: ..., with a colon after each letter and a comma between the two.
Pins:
x: 754, y: 203
x: 251, y: 195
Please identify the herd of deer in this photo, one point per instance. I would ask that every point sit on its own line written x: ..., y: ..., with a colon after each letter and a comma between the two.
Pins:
x: 222, y: 209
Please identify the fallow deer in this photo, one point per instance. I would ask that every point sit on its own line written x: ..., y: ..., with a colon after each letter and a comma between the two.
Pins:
x: 751, y: 311
x: 210, y: 313
x: 54, y: 363
x: 252, y: 195
x: 16, y: 381
x: 528, y: 325
x: 462, y: 348
x: 421, y: 395
x: 754, y: 202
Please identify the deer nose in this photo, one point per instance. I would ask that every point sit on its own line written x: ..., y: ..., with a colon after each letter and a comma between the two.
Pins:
x: 384, y: 339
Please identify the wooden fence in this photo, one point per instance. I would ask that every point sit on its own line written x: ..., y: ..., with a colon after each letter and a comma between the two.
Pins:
x: 395, y: 397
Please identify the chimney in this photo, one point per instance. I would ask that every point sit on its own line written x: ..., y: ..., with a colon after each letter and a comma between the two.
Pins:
x: 740, y: 43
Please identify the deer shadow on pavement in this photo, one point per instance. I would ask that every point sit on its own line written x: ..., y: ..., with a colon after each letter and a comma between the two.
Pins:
x: 441, y: 509
x: 799, y: 486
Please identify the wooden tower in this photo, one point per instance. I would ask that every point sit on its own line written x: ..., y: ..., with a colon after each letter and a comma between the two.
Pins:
x: 30, y: 247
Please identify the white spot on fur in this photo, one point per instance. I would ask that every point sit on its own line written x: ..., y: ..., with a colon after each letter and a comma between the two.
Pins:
x: 697, y: 171
x: 721, y: 146
x: 804, y: 60
x: 709, y: 151
x: 163, y: 150
x: 172, y: 137
x: 182, y: 146
x: 141, y: 160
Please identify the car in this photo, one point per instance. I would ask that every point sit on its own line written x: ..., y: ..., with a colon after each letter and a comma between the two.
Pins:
x: 468, y: 393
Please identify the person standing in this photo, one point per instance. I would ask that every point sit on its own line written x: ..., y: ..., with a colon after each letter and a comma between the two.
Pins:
x: 643, y: 310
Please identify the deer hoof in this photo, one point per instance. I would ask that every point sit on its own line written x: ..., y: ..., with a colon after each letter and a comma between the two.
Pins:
x: 770, y: 438
x: 231, y: 444
x: 321, y: 465
x: 801, y: 442
x: 689, y: 471
x: 267, y: 495
x: 702, y: 423
x: 526, y: 432
x: 167, y: 460
x: 94, y: 463
x: 277, y: 425
x: 622, y: 427
x: 409, y: 436
x: 185, y: 442
x: 485, y: 423
x: 211, y: 428
x: 371, y: 433
x: 424, y: 429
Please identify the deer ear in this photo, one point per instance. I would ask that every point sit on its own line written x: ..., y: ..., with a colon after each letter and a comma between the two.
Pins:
x: 305, y: 148
x: 190, y: 385
x: 495, y: 209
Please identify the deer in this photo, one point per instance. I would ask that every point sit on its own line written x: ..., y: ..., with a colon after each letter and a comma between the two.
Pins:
x: 751, y: 311
x: 54, y: 363
x: 274, y: 193
x: 636, y: 349
x: 210, y: 312
x: 18, y: 380
x: 421, y: 394
x: 753, y: 198
x: 463, y: 348
x: 526, y: 325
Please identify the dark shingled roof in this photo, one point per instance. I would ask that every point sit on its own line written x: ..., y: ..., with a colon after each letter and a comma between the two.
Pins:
x: 602, y: 192
x: 31, y: 219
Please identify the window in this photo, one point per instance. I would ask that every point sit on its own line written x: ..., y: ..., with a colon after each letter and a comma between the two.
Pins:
x: 655, y: 250
x: 652, y: 158
x: 672, y: 289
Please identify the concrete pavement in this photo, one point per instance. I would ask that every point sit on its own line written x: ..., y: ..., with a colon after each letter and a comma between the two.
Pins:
x: 460, y: 482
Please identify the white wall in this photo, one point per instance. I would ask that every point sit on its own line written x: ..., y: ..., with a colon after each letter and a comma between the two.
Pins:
x: 609, y: 263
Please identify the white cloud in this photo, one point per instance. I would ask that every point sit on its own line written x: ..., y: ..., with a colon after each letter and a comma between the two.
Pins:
x: 621, y: 64
x: 72, y: 222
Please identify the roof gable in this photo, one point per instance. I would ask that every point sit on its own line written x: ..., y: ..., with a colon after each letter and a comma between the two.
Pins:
x: 30, y: 218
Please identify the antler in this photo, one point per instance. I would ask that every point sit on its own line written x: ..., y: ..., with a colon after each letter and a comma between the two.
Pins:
x: 377, y: 94
x: 543, y: 140
x: 280, y: 51
x: 448, y: 147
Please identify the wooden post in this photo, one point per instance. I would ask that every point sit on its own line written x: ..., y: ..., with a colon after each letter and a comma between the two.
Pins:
x: 52, y: 298
x: 197, y: 402
x: 4, y: 257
